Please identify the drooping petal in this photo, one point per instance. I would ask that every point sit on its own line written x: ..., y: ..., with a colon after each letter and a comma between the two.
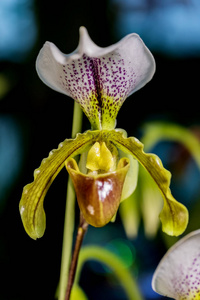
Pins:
x: 98, y: 195
x: 98, y: 78
x: 31, y: 204
x: 174, y: 215
x: 131, y: 179
x: 178, y: 274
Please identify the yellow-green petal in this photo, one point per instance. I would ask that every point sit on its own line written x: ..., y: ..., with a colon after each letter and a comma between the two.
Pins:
x: 174, y: 215
x: 31, y: 203
x: 131, y: 179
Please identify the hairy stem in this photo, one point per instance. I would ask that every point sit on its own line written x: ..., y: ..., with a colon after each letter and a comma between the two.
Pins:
x: 79, y: 239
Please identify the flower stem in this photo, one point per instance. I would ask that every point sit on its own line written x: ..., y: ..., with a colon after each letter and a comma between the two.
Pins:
x: 115, y: 264
x: 69, y: 215
x: 79, y: 239
x: 77, y: 119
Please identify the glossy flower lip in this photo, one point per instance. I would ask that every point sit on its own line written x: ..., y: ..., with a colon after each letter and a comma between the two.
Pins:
x: 98, y: 195
x: 99, y: 79
x: 178, y: 274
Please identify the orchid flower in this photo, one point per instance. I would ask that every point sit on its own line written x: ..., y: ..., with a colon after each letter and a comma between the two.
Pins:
x: 99, y: 79
x: 178, y: 274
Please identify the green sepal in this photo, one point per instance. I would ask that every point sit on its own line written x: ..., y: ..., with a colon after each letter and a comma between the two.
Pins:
x: 151, y: 203
x: 130, y: 215
x: 131, y: 179
x: 174, y: 215
x: 31, y: 203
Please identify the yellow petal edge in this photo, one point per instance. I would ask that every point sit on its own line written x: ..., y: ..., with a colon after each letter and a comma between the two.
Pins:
x: 174, y: 215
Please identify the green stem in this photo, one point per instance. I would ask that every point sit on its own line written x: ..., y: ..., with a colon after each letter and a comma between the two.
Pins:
x: 113, y: 262
x: 77, y: 119
x: 69, y: 215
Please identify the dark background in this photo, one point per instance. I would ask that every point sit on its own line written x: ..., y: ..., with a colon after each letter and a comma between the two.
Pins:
x: 35, y: 119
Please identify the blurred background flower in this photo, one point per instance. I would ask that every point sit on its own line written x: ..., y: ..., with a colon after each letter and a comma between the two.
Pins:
x: 35, y: 119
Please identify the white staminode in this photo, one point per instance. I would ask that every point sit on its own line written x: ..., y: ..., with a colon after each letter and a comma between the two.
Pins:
x: 178, y: 274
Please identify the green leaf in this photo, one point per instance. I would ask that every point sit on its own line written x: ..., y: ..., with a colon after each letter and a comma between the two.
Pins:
x: 151, y: 203
x: 77, y: 293
x: 31, y: 204
x: 130, y: 215
x: 158, y: 131
x: 112, y: 261
x: 174, y: 215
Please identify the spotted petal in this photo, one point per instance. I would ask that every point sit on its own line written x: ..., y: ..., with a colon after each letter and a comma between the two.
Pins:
x: 178, y: 274
x: 31, y: 204
x: 98, y: 78
x: 174, y: 215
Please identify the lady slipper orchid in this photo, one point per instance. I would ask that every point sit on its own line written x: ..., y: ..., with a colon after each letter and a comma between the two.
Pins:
x: 178, y: 274
x: 99, y: 79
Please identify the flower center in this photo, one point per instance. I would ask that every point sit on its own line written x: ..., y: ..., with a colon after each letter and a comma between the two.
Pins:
x: 100, y: 158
